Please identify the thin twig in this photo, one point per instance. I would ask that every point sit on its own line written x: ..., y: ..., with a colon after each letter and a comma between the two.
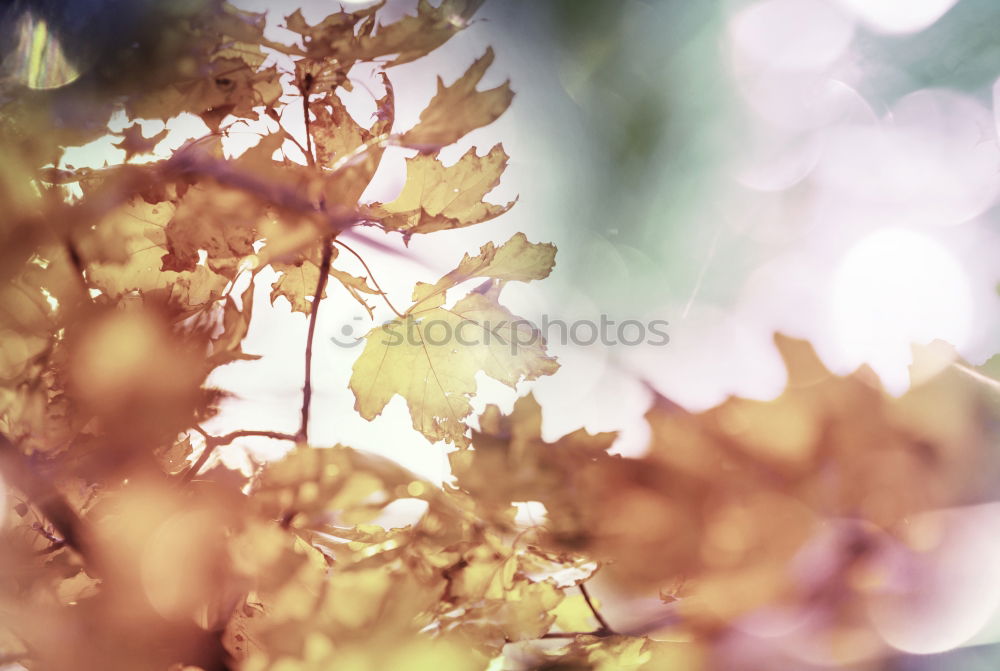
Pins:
x: 247, y: 433
x: 600, y: 633
x: 593, y: 609
x: 296, y: 143
x: 199, y: 462
x: 641, y: 629
x: 79, y: 267
x: 371, y: 276
x: 212, y: 442
x: 55, y: 547
x: 324, y: 272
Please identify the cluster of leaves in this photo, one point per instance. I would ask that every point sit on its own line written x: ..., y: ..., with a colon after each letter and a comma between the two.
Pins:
x: 121, y: 552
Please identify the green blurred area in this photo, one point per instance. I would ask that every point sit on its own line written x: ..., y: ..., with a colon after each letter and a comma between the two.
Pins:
x: 653, y: 116
x: 640, y: 155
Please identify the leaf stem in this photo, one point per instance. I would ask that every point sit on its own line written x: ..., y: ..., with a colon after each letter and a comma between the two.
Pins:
x: 371, y: 276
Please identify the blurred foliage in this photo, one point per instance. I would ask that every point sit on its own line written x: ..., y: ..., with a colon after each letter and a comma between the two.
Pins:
x: 122, y: 551
x: 959, y: 51
x: 652, y: 101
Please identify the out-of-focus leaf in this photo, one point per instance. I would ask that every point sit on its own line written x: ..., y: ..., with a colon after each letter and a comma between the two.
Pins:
x: 228, y: 346
x: 139, y: 228
x: 135, y: 142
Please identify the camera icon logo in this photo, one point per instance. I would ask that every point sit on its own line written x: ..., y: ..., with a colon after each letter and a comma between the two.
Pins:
x: 349, y: 335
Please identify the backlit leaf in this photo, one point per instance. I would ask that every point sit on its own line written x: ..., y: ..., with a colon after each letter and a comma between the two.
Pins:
x: 431, y: 356
x: 436, y: 197
x: 459, y: 108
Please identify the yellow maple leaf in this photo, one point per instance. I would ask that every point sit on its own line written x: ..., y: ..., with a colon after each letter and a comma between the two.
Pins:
x: 431, y: 354
x: 551, y: 473
x: 437, y: 197
x: 459, y: 108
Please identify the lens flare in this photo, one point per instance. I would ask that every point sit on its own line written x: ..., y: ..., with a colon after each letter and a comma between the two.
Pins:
x: 893, y: 289
x: 39, y: 60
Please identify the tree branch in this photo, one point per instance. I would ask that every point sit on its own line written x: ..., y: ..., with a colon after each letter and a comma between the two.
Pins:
x: 212, y: 442
x: 600, y: 633
x: 324, y: 273
x: 304, y: 87
x: 605, y: 627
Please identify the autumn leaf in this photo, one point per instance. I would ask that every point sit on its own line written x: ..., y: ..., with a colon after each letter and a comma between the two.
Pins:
x: 175, y: 457
x: 437, y: 197
x: 346, y: 37
x: 135, y: 142
x: 228, y: 345
x: 220, y: 221
x: 430, y: 356
x: 347, y: 152
x: 297, y: 284
x: 141, y: 230
x: 230, y: 87
x: 225, y: 211
x: 537, y: 470
x: 26, y: 318
x: 525, y: 613
x: 824, y: 424
x: 413, y: 37
x: 437, y: 377
x: 459, y: 108
x: 219, y: 75
x: 298, y: 280
x: 339, y: 485
x: 517, y: 260
x: 333, y: 40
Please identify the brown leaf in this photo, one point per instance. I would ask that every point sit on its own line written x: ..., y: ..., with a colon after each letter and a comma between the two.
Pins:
x: 135, y: 142
x: 347, y: 152
x: 228, y: 345
x: 140, y: 228
x: 415, y: 36
x: 220, y: 221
